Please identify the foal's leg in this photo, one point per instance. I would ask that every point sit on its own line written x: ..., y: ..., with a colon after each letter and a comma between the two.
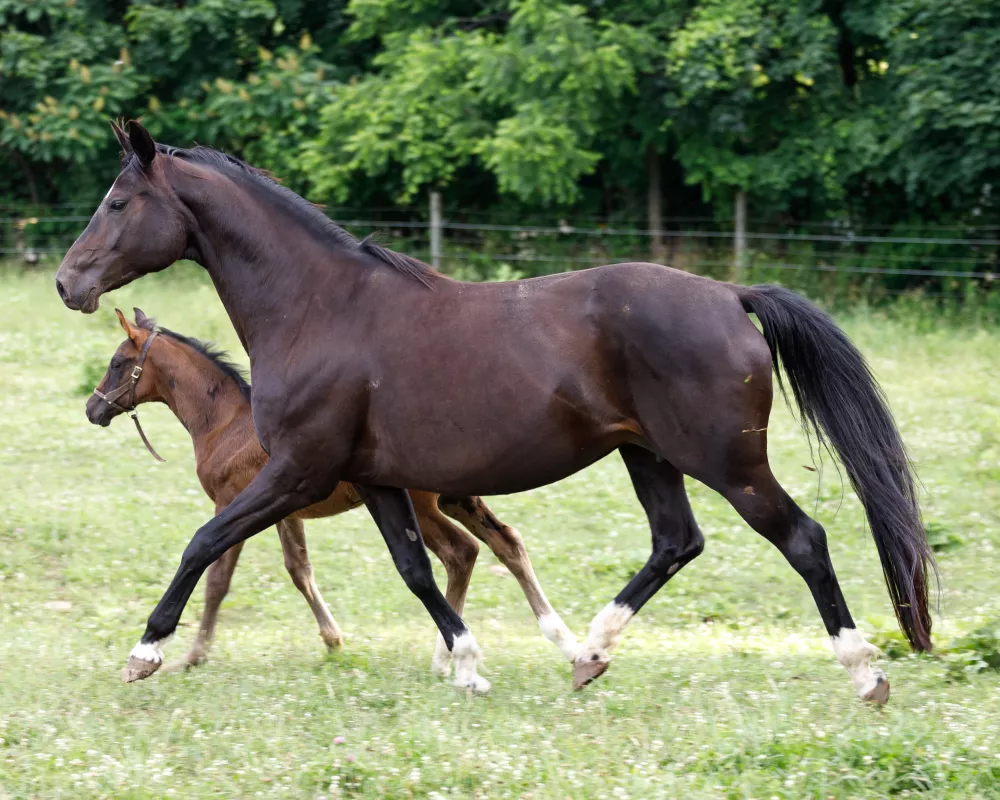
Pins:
x: 507, y: 545
x: 278, y: 490
x: 457, y: 551
x: 293, y: 545
x: 217, y: 581
x: 393, y: 513
x: 676, y: 541
x: 760, y: 500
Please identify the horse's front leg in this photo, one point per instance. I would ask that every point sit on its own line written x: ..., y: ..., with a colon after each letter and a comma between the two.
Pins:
x: 393, y: 513
x: 281, y: 488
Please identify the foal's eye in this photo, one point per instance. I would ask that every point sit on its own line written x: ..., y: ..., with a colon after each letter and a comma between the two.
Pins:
x: 116, y: 363
x: 117, y: 205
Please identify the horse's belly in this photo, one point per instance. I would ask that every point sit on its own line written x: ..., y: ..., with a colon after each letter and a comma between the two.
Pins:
x: 491, y: 463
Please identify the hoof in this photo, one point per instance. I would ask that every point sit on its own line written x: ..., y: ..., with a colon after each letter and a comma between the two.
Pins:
x: 181, y: 665
x: 138, y: 670
x: 586, y: 671
x: 477, y: 685
x: 441, y: 662
x: 880, y: 693
x: 440, y: 668
x: 332, y: 640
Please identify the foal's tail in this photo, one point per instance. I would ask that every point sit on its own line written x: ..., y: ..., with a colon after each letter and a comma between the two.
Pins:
x: 841, y: 402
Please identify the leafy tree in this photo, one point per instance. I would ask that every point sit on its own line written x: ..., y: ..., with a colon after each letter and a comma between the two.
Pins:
x: 870, y: 109
x: 65, y: 69
x: 942, y: 131
x: 756, y: 97
x: 526, y: 104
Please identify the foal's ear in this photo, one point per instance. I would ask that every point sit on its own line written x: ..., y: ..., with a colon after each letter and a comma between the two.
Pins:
x: 121, y: 136
x: 131, y: 331
x: 140, y: 319
x: 142, y: 143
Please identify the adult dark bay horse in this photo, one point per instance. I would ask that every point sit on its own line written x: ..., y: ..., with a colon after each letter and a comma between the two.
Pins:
x: 369, y: 367
x: 211, y: 398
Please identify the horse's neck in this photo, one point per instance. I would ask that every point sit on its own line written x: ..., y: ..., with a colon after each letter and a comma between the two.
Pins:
x: 263, y: 261
x: 204, y: 399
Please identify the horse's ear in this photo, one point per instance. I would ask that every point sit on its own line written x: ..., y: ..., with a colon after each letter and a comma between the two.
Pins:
x: 140, y: 319
x: 142, y: 143
x: 130, y: 330
x: 121, y: 136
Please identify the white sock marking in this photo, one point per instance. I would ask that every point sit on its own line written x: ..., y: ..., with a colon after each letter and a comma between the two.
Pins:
x: 605, y: 632
x: 555, y: 630
x: 855, y: 654
x: 467, y: 656
x: 441, y: 663
x: 148, y: 652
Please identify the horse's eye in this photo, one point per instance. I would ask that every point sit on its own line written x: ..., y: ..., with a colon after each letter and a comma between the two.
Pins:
x: 116, y: 363
x: 117, y: 205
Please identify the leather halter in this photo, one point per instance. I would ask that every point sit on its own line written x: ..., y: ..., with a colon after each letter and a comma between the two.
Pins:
x: 130, y: 408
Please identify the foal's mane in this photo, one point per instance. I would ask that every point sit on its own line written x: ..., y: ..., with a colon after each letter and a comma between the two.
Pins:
x: 310, y: 215
x: 209, y: 350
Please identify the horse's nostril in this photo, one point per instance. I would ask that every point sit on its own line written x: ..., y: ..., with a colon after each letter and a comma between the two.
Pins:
x: 61, y: 289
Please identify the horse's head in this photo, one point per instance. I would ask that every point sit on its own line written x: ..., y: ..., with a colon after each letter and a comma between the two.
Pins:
x: 140, y: 227
x: 123, y: 385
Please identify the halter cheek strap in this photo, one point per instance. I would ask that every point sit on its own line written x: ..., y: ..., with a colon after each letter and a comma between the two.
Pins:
x: 130, y: 408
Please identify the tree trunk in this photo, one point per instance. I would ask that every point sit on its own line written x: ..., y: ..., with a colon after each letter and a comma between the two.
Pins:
x: 654, y: 204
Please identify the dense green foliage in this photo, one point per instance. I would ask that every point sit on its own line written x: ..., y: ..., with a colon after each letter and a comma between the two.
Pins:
x: 864, y: 111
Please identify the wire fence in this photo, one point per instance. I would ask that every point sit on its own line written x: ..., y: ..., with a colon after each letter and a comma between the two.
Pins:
x: 824, y: 257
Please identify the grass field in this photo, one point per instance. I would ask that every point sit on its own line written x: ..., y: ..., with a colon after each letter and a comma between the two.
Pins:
x: 724, y: 686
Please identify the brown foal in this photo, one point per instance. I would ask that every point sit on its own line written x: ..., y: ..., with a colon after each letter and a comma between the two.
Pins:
x: 211, y: 398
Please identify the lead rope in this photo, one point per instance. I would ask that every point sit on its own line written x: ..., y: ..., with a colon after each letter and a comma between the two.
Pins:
x: 135, y: 418
x: 133, y: 409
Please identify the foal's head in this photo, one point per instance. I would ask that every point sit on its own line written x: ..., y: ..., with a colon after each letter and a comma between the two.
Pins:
x: 121, y: 369
x: 140, y: 227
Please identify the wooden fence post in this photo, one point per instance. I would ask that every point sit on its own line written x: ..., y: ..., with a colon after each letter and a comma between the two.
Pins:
x: 740, y: 237
x: 654, y: 204
x: 436, y: 220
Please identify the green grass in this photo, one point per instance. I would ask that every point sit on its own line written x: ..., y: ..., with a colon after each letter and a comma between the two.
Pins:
x: 724, y: 685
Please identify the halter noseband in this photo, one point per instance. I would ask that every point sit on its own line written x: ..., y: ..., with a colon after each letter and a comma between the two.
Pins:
x: 130, y: 408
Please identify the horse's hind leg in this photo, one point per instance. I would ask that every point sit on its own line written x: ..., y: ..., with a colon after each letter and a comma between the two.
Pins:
x: 507, y: 545
x: 676, y: 541
x: 293, y: 545
x: 457, y: 551
x: 760, y: 500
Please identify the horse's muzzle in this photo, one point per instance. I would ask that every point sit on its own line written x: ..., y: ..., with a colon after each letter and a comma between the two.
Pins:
x: 86, y: 300
x: 99, y: 412
x: 78, y: 286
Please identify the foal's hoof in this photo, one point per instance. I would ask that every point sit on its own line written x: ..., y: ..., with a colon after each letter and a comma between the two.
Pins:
x: 477, y: 685
x: 332, y: 640
x: 585, y: 672
x: 182, y: 664
x: 441, y: 667
x: 880, y: 693
x: 138, y: 669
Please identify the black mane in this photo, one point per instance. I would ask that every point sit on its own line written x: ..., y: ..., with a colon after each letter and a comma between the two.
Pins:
x: 211, y: 351
x: 318, y: 222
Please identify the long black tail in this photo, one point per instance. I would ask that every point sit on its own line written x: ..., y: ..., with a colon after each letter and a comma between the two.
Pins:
x: 840, y: 401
